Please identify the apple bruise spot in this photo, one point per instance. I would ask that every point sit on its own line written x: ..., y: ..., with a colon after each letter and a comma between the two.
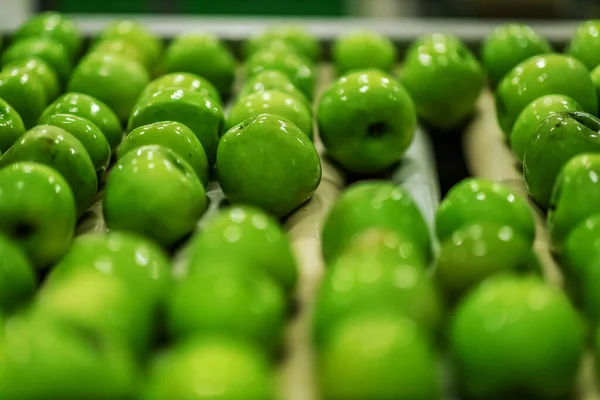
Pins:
x: 377, y: 130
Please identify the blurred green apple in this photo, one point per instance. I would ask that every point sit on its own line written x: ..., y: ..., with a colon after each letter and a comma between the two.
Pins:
x: 272, y: 79
x: 152, y: 191
x: 174, y: 136
x: 17, y: 278
x: 123, y: 48
x: 581, y: 247
x: 558, y: 138
x: 295, y: 35
x: 266, y: 161
x: 137, y: 34
x: 595, y: 75
x: 52, y: 52
x: 541, y: 75
x: 11, y: 125
x: 57, y: 148
x: 25, y: 92
x: 363, y: 49
x: 585, y: 43
x: 53, y: 25
x: 366, y: 121
x: 183, y: 80
x: 39, y: 68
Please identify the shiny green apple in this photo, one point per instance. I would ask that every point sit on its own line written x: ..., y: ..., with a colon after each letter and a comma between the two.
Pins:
x: 272, y: 79
x: 183, y: 80
x: 585, y: 43
x: 41, y: 69
x: 124, y: 48
x: 137, y: 34
x: 53, y: 25
x: 581, y: 247
x: 52, y: 52
x: 25, y: 92
x: 17, y: 279
x: 295, y: 35
x: 363, y: 49
x: 11, y: 125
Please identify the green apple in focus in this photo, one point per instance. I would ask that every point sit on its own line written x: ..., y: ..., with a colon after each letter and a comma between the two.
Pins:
x: 374, y: 204
x: 274, y: 102
x: 295, y: 35
x: 57, y: 148
x: 122, y: 48
x: 378, y: 356
x: 115, y: 80
x: 272, y: 79
x: 52, y: 25
x: 226, y: 368
x: 363, y: 49
x: 559, y: 138
x: 476, y: 200
x: 92, y: 109
x: 90, y: 136
x: 25, y: 92
x: 11, y: 126
x: 268, y: 162
x: 41, y: 69
x: 585, y: 43
x: 500, y: 344
x: 137, y: 34
x: 205, y: 55
x: 174, y: 136
x: 37, y: 211
x: 443, y: 78
x: 581, y: 247
x: 507, y: 46
x: 183, y: 80
x: 54, y: 53
x: 532, y: 116
x: 539, y: 76
x: 199, y: 113
x: 366, y: 121
x: 250, y: 234
x: 162, y: 188
x: 17, y: 279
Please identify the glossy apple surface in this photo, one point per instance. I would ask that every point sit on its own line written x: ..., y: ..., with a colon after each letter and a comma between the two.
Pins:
x: 49, y: 50
x: 183, y: 80
x: 362, y: 50
x: 53, y: 25
x: 26, y: 93
x: 39, y: 68
x: 11, y: 126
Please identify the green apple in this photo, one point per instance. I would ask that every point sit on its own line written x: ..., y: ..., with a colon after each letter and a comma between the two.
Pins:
x: 507, y: 46
x: 90, y: 136
x: 272, y: 79
x: 174, y: 136
x: 478, y: 250
x: 363, y: 49
x: 585, y: 43
x: 475, y: 200
x: 115, y: 80
x: 41, y: 69
x: 500, y: 341
x: 532, y: 116
x: 52, y: 52
x: 589, y: 290
x: 92, y: 109
x: 378, y: 356
x: 558, y: 138
x: 11, y: 125
x: 124, y: 48
x: 183, y: 80
x: 57, y: 148
x: 137, y: 34
x: 541, y: 75
x: 202, y: 115
x: 218, y: 64
x: 366, y: 121
x: 216, y: 368
x: 17, y: 278
x: 25, y: 92
x: 273, y: 102
x: 595, y: 75
x: 436, y: 65
x: 37, y: 211
x: 295, y: 35
x: 266, y: 161
x: 581, y: 247
x: 253, y: 307
x: 279, y: 45
x: 44, y: 358
x: 374, y: 204
x: 253, y: 236
x: 55, y: 26
x: 132, y: 202
x: 293, y: 66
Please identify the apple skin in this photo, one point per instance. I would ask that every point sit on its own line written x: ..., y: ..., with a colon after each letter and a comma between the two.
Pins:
x: 218, y: 65
x: 166, y: 215
x: 273, y: 102
x: 366, y: 121
x: 90, y: 108
x: 42, y: 228
x: 122, y: 48
x: 293, y: 66
x: 374, y: 204
x: 361, y: 50
x: 259, y: 239
x: 476, y: 200
x: 49, y: 50
x: 581, y: 246
x: 272, y: 79
x: 595, y: 75
x: 174, y: 136
x: 268, y: 162
x: 228, y: 369
x: 183, y: 80
x: 507, y: 46
x: 438, y: 64
x: 115, y: 80
x: 585, y: 44
x: 58, y: 149
x: 532, y: 116
x: 11, y: 126
x: 25, y: 92
x: 90, y: 136
x: 401, y: 365
x: 558, y: 138
x: 137, y: 34
x: 541, y: 75
x: 55, y: 26
x: 39, y: 68
x: 295, y: 35
x: 500, y: 344
x: 202, y: 115
x: 17, y: 279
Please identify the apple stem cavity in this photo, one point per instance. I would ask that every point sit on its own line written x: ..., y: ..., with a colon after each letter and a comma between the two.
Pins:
x: 377, y: 130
